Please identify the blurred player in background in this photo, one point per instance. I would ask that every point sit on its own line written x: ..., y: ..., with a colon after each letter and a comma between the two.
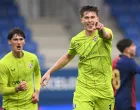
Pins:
x: 18, y: 70
x: 126, y: 67
x: 93, y: 46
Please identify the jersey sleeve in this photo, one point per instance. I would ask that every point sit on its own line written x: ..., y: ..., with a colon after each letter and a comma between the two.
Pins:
x: 37, y: 74
x: 72, y: 50
x: 4, y: 89
x: 109, y: 31
x: 3, y: 74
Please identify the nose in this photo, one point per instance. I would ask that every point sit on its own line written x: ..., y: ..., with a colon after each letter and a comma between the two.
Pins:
x: 18, y: 41
x: 90, y: 20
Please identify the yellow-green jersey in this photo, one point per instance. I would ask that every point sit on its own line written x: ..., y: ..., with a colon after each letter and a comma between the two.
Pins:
x: 12, y: 72
x: 94, y: 66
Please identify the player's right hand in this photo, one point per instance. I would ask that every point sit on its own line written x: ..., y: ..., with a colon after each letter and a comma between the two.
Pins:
x: 45, y: 79
x: 99, y: 26
x: 22, y: 86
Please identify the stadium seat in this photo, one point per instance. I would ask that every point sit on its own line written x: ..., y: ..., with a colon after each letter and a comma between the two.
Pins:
x: 18, y: 22
x: 127, y: 17
x: 28, y: 34
x: 132, y: 33
x: 12, y: 12
x: 1, y: 55
x: 31, y: 47
x: 1, y: 48
x: 10, y: 18
x: 4, y: 24
x: 7, y: 2
x: 41, y: 59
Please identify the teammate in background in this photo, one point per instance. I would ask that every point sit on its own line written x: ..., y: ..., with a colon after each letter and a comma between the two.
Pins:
x: 125, y: 96
x: 93, y: 46
x: 18, y: 70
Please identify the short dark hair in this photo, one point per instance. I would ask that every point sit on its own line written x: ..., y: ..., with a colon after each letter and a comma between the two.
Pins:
x: 88, y: 8
x: 15, y: 31
x: 123, y: 44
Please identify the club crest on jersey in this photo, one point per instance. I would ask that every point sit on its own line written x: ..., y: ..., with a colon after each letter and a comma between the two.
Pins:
x: 30, y: 65
x: 95, y: 38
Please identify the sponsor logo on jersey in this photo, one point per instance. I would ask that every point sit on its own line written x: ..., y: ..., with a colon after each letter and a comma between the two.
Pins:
x: 16, y: 82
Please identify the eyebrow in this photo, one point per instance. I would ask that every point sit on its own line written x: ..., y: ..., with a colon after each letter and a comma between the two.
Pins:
x: 19, y: 38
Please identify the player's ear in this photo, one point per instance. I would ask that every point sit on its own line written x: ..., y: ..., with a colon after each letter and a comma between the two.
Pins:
x: 126, y: 50
x: 9, y: 42
x: 24, y: 41
x: 82, y: 21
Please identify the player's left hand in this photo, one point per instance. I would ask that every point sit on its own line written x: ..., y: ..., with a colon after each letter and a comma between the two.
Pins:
x: 35, y: 97
x: 99, y: 26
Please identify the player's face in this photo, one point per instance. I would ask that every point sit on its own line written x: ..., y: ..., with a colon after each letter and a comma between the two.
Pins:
x: 132, y: 50
x: 89, y: 20
x: 17, y: 43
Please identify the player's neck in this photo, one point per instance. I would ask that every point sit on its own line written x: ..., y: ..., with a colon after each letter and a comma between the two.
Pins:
x: 17, y: 54
x: 128, y: 55
x: 89, y: 33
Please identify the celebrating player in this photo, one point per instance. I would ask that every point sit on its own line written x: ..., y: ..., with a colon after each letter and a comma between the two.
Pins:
x: 93, y: 46
x: 18, y: 70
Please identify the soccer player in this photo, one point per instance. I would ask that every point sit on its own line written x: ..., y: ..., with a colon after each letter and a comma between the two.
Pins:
x: 93, y: 46
x: 125, y: 96
x: 19, y: 75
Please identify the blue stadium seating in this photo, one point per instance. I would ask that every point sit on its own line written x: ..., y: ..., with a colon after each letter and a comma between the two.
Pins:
x: 18, y: 22
x: 28, y: 34
x: 126, y: 13
x: 31, y: 47
x: 41, y: 59
x: 1, y: 48
x: 4, y: 24
x: 10, y: 18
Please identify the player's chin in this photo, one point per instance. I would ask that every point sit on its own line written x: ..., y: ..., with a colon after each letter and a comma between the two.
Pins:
x: 133, y: 55
x: 90, y: 29
x: 18, y: 50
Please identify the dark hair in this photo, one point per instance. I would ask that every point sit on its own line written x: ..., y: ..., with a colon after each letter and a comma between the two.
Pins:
x: 123, y: 44
x: 88, y: 8
x: 15, y: 31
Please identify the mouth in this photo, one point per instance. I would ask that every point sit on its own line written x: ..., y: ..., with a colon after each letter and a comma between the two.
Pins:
x: 18, y: 47
x: 90, y: 25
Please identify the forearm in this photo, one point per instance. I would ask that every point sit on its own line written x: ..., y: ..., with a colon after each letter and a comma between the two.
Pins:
x: 7, y: 90
x: 64, y: 60
x: 37, y: 91
x: 104, y: 34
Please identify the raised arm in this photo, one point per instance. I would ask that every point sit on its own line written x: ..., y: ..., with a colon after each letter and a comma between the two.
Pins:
x: 104, y: 32
x: 107, y: 34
